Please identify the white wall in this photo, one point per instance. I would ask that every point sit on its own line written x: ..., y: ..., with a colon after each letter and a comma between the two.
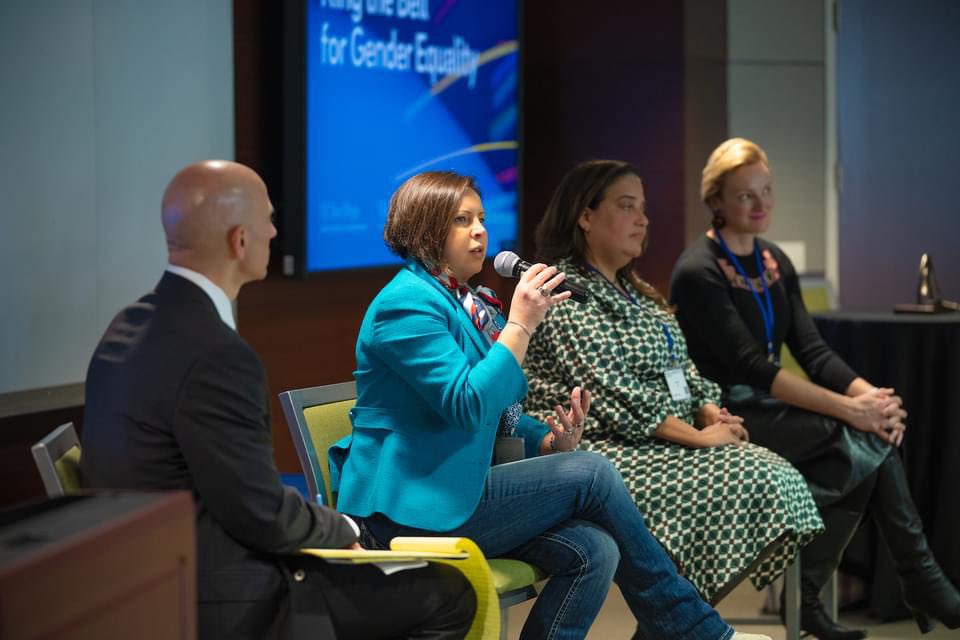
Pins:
x: 777, y: 74
x: 102, y: 102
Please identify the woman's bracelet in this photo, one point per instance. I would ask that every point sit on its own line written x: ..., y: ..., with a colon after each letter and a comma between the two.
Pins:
x: 523, y: 328
x: 553, y: 445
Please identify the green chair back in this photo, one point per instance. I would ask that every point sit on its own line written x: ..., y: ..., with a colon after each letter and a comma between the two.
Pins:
x: 317, y: 417
x: 68, y: 470
x: 57, y: 457
x: 327, y: 423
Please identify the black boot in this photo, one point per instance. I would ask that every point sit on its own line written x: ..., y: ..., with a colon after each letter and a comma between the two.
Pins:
x: 926, y: 590
x: 818, y: 561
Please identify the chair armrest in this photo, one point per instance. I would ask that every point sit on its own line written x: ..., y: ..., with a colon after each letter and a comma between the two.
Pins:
x: 474, y: 567
x: 460, y: 553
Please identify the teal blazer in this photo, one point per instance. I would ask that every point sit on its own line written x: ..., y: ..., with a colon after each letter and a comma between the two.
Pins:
x: 430, y: 393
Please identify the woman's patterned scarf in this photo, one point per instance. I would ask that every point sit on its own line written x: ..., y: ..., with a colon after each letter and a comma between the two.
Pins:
x: 481, y: 304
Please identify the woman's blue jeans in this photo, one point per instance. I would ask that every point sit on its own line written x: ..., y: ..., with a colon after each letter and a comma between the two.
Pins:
x: 571, y: 515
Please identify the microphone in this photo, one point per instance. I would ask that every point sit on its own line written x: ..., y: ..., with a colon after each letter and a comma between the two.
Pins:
x: 509, y: 265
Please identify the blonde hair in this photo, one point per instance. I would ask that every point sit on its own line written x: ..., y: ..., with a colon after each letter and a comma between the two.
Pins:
x: 729, y: 156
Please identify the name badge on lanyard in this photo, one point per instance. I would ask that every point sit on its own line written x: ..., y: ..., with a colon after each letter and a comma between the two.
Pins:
x: 676, y: 380
x: 677, y: 383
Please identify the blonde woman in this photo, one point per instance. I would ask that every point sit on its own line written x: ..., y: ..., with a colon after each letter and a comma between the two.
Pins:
x: 738, y: 300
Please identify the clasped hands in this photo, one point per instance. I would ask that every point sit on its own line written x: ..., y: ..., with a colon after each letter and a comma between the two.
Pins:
x: 567, y: 428
x: 879, y: 411
x: 722, y: 427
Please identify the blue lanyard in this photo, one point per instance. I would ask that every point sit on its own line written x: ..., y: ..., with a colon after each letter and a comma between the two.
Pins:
x: 765, y: 311
x: 629, y: 296
x: 669, y: 336
x: 625, y: 294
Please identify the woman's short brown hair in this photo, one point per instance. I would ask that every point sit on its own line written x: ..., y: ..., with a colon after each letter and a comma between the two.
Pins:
x: 421, y: 212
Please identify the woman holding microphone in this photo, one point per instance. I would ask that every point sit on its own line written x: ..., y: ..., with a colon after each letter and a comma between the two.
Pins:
x: 439, y: 389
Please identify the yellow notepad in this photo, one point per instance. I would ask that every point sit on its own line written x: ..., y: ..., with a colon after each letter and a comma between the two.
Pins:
x: 460, y: 553
x: 361, y: 556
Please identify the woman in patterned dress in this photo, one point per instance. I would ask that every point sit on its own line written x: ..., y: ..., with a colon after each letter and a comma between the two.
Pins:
x: 722, y: 508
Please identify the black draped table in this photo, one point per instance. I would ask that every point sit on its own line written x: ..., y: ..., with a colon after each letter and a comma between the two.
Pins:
x: 919, y: 356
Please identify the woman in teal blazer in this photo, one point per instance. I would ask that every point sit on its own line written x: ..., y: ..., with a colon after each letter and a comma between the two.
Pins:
x: 430, y: 396
x: 439, y: 396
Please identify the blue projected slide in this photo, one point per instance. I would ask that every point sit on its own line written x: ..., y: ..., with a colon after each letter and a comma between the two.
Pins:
x: 395, y: 87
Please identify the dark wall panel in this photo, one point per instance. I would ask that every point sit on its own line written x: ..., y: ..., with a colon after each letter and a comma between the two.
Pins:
x: 607, y: 83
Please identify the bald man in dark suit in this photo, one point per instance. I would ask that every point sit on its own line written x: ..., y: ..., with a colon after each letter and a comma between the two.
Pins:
x: 176, y: 399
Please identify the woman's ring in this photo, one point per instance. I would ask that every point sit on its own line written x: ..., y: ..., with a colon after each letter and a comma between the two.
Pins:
x: 544, y: 292
x: 575, y: 426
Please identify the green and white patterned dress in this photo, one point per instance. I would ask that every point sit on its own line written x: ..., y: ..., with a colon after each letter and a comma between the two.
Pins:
x: 715, y: 510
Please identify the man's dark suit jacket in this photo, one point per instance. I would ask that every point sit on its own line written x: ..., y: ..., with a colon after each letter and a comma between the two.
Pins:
x: 175, y: 399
